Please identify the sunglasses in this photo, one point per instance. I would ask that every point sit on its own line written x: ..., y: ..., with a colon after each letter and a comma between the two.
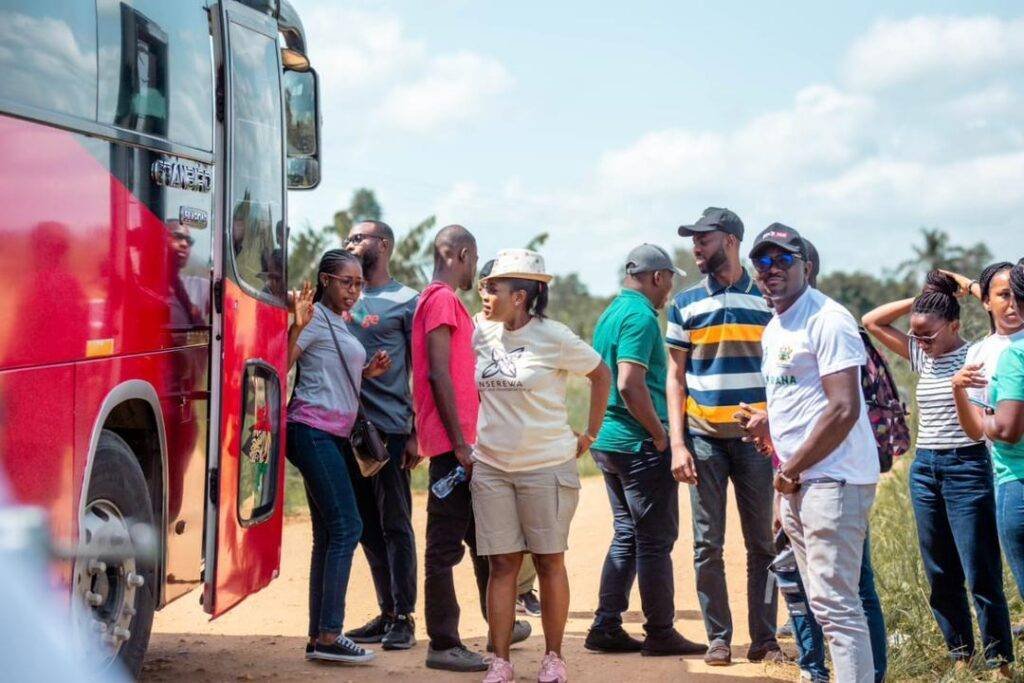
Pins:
x: 183, y: 237
x: 356, y: 239
x: 783, y: 261
x: 347, y: 281
x: 926, y: 339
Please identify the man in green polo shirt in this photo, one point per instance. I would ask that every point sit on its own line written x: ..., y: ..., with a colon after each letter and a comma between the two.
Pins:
x: 632, y: 451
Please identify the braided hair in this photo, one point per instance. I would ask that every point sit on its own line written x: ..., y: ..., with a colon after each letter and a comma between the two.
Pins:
x: 536, y: 295
x: 331, y: 263
x: 938, y: 297
x: 1017, y: 284
x: 985, y: 280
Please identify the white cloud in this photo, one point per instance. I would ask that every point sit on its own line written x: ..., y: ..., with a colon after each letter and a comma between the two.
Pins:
x: 374, y: 72
x: 949, y: 49
x: 453, y: 89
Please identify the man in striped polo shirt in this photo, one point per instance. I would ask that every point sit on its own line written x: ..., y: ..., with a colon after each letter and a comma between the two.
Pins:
x: 714, y: 341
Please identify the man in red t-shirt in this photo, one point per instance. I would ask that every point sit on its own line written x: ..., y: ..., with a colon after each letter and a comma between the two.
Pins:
x: 446, y: 404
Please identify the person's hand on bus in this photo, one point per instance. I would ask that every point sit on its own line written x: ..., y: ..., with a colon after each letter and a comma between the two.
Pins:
x: 378, y: 365
x: 970, y: 376
x: 301, y: 304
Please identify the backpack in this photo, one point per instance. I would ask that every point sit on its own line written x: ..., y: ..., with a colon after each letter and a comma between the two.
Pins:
x: 887, y: 413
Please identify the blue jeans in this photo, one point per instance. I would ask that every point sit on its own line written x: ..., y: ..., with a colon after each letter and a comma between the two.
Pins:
x: 1010, y: 513
x: 810, y: 640
x: 954, y: 503
x: 644, y: 499
x: 717, y: 461
x: 385, y: 505
x: 320, y: 457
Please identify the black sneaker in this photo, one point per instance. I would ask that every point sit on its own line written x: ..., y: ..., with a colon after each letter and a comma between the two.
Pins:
x: 372, y: 631
x: 342, y: 650
x: 670, y: 644
x: 527, y: 603
x: 309, y: 651
x: 615, y: 640
x: 521, y: 630
x: 401, y: 635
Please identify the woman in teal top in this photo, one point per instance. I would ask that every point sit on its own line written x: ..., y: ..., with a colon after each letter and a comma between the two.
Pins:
x: 1005, y: 427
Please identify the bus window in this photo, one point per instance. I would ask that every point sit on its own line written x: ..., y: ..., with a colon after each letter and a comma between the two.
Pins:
x: 257, y: 466
x: 48, y: 58
x: 257, y: 183
x: 156, y: 69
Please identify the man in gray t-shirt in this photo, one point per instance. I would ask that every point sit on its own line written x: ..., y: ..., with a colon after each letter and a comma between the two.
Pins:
x: 382, y: 319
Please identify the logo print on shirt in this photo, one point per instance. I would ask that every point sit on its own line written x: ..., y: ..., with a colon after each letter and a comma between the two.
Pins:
x: 785, y: 355
x: 503, y: 363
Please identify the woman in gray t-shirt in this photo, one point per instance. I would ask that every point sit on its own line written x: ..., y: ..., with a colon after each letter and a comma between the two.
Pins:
x: 331, y: 367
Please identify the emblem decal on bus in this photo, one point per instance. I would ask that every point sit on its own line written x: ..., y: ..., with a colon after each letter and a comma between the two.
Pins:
x: 193, y: 217
x: 185, y: 175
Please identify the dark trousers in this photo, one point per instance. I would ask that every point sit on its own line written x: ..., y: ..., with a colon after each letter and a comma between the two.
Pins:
x: 810, y: 640
x: 1010, y: 513
x: 385, y: 505
x: 645, y: 510
x: 320, y: 457
x: 954, y: 503
x: 717, y: 462
x: 450, y: 527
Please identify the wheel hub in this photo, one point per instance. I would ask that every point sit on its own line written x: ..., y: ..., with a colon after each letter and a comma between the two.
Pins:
x: 106, y: 579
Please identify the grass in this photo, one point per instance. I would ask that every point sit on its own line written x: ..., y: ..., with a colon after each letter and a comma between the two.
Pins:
x: 917, y: 652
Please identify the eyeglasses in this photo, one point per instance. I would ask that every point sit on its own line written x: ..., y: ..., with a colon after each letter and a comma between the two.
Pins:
x: 183, y: 237
x: 356, y: 239
x: 926, y: 339
x: 783, y: 261
x: 347, y: 281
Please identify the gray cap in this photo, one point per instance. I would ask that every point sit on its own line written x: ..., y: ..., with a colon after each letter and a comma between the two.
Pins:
x: 648, y: 258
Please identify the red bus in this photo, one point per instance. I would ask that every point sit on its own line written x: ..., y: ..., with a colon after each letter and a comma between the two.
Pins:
x: 146, y: 150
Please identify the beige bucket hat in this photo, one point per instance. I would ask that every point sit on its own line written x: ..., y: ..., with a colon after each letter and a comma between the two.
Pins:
x: 519, y: 263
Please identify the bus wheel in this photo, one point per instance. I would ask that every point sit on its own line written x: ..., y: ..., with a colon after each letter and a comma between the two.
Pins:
x: 115, y: 587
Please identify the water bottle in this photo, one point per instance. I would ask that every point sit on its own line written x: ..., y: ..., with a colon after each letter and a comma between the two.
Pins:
x: 443, y: 487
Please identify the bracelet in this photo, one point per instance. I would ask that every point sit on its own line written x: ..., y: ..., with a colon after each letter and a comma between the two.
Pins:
x: 589, y: 436
x: 787, y: 479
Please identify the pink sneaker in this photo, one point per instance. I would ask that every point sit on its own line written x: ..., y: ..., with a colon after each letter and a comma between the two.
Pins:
x: 552, y: 670
x: 500, y: 671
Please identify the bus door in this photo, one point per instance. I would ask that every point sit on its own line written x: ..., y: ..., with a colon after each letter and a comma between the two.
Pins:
x: 245, y: 485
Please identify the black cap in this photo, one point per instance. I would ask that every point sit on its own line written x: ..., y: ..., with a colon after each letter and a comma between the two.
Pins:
x: 714, y: 219
x: 783, y: 237
x: 811, y: 256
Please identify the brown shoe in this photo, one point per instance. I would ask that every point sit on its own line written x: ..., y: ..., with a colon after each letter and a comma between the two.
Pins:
x: 769, y: 653
x: 719, y: 654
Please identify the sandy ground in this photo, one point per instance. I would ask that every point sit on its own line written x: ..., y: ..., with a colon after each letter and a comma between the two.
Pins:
x: 263, y: 638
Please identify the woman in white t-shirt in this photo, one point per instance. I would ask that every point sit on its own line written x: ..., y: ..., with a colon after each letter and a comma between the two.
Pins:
x: 951, y: 483
x: 525, y: 483
x: 971, y: 382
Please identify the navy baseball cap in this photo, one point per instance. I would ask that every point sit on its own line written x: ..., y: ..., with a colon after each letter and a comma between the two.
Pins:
x: 781, y: 236
x: 714, y: 219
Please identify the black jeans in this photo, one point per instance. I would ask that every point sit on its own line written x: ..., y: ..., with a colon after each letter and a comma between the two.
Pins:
x: 645, y: 507
x: 320, y: 457
x: 449, y: 525
x: 953, y: 494
x: 385, y: 505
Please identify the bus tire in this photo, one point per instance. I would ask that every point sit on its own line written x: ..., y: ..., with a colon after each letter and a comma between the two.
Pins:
x: 118, y: 499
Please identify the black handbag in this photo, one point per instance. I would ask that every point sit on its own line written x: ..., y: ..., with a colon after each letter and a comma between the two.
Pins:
x: 367, y: 444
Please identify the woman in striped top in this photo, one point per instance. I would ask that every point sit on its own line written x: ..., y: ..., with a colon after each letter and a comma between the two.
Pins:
x: 951, y: 483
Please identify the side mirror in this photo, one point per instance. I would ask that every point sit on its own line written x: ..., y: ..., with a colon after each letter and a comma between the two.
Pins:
x: 302, y: 118
x: 303, y: 173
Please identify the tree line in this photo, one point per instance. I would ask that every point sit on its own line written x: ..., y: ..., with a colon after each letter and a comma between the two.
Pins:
x: 572, y: 303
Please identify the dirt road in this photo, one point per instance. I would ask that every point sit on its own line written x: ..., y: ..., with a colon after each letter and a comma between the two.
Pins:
x: 263, y: 638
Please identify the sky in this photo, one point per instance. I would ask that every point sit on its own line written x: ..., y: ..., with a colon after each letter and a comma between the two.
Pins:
x: 610, y: 124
